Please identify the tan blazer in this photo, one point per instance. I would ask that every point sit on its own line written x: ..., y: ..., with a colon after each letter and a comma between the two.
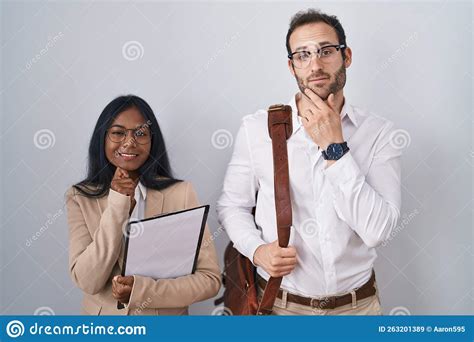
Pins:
x: 96, y: 254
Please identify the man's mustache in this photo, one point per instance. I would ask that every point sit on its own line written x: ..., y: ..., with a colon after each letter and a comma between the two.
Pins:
x: 318, y: 75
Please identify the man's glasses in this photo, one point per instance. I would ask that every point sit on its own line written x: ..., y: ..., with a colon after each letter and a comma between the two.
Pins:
x: 326, y: 54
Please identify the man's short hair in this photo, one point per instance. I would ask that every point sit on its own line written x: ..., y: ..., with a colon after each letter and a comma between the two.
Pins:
x: 311, y: 16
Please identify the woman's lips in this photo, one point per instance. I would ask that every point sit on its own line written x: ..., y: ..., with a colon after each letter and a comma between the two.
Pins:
x: 126, y: 156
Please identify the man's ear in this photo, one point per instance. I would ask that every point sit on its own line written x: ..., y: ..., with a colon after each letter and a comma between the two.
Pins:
x: 290, y: 66
x: 348, y: 54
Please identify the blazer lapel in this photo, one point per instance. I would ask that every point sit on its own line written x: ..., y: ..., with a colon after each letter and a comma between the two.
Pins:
x: 153, y: 203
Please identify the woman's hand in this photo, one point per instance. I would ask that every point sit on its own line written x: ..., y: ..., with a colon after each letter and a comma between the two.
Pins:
x: 122, y: 288
x: 125, y: 185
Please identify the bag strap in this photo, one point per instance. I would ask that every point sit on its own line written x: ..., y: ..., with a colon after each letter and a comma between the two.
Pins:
x: 280, y: 129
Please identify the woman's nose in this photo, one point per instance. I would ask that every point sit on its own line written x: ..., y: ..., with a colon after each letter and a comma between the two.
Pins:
x: 129, y: 139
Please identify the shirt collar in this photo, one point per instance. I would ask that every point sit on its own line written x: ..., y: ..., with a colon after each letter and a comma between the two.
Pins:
x: 142, y: 189
x: 296, y: 119
x: 348, y: 110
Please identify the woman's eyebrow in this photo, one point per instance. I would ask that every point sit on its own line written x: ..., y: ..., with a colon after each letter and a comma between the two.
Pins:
x: 144, y: 125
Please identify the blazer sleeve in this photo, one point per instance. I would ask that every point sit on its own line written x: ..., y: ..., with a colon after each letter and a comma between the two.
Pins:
x: 182, y: 291
x: 92, y: 258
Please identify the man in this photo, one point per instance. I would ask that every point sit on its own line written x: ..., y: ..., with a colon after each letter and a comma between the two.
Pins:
x: 344, y: 180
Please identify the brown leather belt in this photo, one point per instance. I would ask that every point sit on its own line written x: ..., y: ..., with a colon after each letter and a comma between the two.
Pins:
x: 366, y: 290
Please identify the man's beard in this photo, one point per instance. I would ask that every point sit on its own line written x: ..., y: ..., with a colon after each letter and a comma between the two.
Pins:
x: 324, y: 91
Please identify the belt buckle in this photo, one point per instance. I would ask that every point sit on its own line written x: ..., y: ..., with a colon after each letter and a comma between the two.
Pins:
x: 315, y: 307
x: 324, y: 303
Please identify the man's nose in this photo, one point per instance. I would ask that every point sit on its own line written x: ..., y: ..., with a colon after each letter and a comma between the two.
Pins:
x: 315, y: 63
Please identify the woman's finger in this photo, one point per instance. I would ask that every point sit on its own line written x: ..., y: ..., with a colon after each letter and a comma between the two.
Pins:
x: 117, y: 173
x: 125, y: 190
x: 125, y: 181
x: 128, y: 280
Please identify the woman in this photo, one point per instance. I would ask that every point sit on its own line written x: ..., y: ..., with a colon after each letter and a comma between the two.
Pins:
x: 129, y: 178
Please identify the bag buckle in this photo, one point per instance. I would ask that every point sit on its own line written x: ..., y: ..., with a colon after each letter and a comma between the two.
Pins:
x: 276, y: 107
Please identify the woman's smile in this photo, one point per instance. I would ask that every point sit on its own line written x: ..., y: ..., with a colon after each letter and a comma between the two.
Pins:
x: 126, y: 156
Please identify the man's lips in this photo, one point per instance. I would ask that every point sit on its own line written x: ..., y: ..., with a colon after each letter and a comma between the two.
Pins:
x: 318, y: 79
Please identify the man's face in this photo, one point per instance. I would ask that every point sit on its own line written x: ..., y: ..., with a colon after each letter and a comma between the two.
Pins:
x: 322, y: 76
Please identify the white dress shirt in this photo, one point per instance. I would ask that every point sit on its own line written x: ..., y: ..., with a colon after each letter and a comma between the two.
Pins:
x: 138, y: 212
x: 339, y: 214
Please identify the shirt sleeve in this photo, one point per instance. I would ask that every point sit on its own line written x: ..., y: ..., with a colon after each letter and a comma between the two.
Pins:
x: 234, y: 207
x: 369, y: 204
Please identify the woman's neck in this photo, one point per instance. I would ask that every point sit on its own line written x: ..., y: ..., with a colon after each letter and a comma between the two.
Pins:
x: 134, y: 175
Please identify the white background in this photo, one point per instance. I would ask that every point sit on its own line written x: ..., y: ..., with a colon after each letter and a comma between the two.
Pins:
x: 202, y: 67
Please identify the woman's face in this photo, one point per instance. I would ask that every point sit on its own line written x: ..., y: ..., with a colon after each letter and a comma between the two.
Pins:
x: 128, y: 140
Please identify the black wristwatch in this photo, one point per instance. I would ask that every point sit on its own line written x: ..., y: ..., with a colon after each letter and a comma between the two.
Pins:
x: 335, y: 151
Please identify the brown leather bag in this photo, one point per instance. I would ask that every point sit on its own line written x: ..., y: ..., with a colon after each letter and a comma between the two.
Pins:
x: 239, y: 277
x: 239, y: 280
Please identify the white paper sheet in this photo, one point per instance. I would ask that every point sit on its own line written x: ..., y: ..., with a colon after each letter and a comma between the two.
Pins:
x: 164, y: 247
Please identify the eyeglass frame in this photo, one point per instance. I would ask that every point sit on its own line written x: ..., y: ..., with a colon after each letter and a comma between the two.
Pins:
x: 133, y: 136
x: 339, y: 47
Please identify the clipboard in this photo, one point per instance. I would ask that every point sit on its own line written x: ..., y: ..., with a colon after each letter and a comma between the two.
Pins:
x: 144, y: 240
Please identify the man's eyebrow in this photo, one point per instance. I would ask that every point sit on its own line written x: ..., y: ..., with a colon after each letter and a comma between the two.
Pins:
x: 302, y: 48
x: 321, y: 44
x: 326, y: 43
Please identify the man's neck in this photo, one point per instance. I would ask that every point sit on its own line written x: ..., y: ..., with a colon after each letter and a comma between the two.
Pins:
x: 339, y: 101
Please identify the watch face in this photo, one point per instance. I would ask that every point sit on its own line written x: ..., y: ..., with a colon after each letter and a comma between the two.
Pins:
x: 334, y: 151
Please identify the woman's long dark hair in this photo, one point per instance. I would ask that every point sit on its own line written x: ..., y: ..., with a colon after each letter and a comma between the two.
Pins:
x: 155, y: 173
